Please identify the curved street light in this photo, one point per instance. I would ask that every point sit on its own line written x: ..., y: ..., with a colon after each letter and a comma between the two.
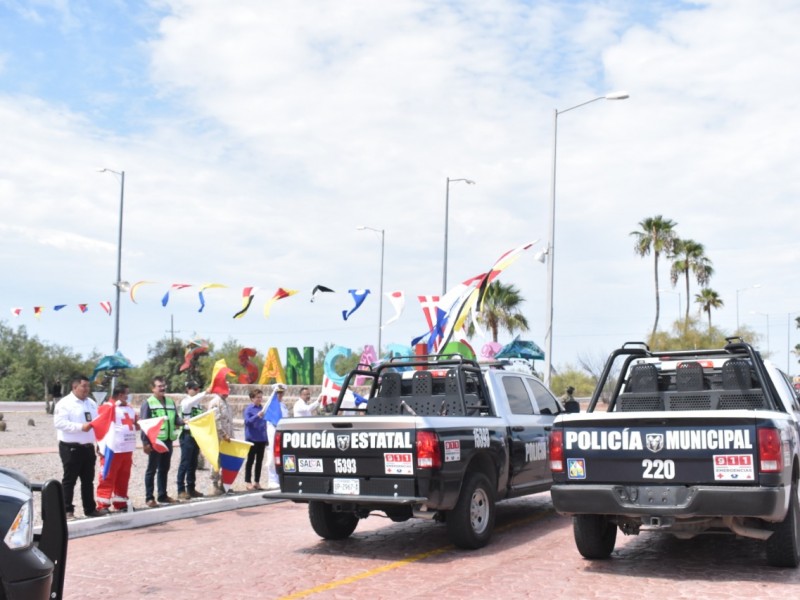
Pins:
x: 549, y: 252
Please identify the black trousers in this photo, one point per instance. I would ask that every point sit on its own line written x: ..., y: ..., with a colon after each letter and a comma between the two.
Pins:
x: 78, y: 461
x: 256, y: 453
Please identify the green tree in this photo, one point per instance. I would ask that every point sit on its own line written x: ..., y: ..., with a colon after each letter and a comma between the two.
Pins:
x: 689, y: 257
x: 164, y: 359
x: 583, y: 383
x: 656, y: 235
x: 708, y: 299
x: 501, y: 309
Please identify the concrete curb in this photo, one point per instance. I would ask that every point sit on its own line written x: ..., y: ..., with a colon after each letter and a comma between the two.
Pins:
x: 154, y: 516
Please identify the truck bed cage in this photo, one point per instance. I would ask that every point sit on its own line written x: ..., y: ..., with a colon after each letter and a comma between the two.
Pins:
x: 439, y: 386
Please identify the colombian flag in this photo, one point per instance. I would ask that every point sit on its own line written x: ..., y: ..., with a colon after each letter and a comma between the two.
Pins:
x: 231, y: 456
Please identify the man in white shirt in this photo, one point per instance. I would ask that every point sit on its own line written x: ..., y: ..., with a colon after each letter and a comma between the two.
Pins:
x: 72, y: 418
x: 301, y: 406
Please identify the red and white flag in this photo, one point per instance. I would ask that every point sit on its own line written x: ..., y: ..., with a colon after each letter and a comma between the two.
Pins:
x: 106, y: 306
x: 151, y: 428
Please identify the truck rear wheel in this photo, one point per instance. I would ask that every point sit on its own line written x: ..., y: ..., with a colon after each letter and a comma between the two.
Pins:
x: 329, y: 524
x: 470, y: 523
x: 595, y: 535
x: 783, y: 546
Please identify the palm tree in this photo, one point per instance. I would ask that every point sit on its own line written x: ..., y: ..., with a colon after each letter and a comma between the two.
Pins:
x: 708, y: 299
x: 656, y: 235
x: 690, y: 256
x: 501, y: 309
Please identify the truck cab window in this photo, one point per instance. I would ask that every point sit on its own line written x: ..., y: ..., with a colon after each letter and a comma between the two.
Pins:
x: 544, y: 399
x: 518, y: 399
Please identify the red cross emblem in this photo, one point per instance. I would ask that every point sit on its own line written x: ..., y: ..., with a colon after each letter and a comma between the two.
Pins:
x: 126, y: 420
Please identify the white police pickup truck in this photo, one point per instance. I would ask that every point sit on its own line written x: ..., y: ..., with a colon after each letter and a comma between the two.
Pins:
x: 690, y: 442
x: 435, y: 439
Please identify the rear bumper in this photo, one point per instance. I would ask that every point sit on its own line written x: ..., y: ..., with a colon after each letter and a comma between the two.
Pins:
x: 769, y: 504
x: 348, y: 499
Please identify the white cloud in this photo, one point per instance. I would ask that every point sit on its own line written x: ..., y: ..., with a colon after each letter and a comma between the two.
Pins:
x: 297, y: 122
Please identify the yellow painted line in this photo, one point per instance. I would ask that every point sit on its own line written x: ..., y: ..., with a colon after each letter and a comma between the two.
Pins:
x: 400, y: 563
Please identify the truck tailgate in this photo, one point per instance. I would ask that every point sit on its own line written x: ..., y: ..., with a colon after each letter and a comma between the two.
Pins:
x: 364, y: 456
x: 674, y: 449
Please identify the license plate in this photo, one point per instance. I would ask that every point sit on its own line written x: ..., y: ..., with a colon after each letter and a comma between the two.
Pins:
x: 349, y: 487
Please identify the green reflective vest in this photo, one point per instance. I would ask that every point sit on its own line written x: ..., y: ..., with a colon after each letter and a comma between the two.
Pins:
x: 168, y: 431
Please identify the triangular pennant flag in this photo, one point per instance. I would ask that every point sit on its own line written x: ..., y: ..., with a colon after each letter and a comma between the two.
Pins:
x: 248, y: 294
x: 279, y: 295
x: 204, y: 287
x: 358, y: 296
x: 135, y: 287
x: 58, y: 307
x: 174, y: 286
x: 106, y: 306
x: 398, y: 301
x: 83, y: 307
x: 37, y: 311
x: 16, y: 311
x: 319, y: 288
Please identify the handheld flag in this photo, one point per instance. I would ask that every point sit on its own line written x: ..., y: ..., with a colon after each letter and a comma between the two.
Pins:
x: 231, y: 456
x: 103, y: 427
x: 204, y: 432
x: 151, y: 428
x: 273, y: 413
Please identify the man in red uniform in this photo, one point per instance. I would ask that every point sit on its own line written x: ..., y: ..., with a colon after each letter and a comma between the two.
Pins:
x: 117, y: 453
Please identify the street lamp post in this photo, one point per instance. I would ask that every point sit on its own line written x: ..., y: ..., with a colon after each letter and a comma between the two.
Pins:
x: 550, y: 252
x: 446, y: 221
x: 380, y: 297
x: 118, y: 283
x: 752, y: 287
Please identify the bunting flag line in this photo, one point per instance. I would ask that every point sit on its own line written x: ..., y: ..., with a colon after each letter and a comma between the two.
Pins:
x: 248, y: 294
x: 106, y: 306
x: 174, y: 286
x: 319, y: 288
x: 358, y: 297
x: 37, y: 311
x: 231, y: 457
x: 151, y: 427
x: 83, y: 307
x: 135, y: 287
x: 279, y: 295
x: 429, y: 304
x: 398, y: 301
x: 16, y: 311
x: 204, y: 432
x: 204, y: 287
x: 58, y: 307
x: 506, y: 260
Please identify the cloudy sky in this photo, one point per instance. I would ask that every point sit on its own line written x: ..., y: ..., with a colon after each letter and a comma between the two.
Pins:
x: 257, y: 135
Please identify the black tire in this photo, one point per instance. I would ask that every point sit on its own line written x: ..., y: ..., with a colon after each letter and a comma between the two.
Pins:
x: 471, y: 522
x: 783, y: 546
x: 595, y: 535
x: 331, y: 525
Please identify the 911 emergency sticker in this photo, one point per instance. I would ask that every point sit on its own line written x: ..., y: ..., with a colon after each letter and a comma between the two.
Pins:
x: 733, y: 467
x: 452, y: 450
x: 398, y: 463
x: 576, y: 468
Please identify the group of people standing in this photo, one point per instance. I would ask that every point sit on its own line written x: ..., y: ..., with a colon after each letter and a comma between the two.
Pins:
x: 79, y: 453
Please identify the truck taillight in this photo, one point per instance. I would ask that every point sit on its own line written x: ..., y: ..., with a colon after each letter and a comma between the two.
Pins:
x: 428, y: 454
x: 557, y: 451
x: 276, y: 449
x: 770, y: 455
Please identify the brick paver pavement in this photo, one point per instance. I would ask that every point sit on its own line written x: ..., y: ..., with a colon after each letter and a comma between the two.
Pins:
x: 271, y: 552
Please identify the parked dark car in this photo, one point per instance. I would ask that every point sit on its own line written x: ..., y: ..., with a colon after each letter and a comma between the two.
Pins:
x: 31, y: 565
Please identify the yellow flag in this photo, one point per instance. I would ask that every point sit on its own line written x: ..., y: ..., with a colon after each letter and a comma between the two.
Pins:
x: 204, y: 432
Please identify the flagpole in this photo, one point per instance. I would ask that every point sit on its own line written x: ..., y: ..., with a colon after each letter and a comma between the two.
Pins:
x: 380, y: 297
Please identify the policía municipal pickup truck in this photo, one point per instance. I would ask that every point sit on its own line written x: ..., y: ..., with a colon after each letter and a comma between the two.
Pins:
x: 433, y: 439
x: 689, y: 442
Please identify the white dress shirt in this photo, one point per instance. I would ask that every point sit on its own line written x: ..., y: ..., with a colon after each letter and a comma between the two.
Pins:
x: 69, y: 415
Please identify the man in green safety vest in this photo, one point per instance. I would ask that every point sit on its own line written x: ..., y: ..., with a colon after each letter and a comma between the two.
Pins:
x: 158, y: 405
